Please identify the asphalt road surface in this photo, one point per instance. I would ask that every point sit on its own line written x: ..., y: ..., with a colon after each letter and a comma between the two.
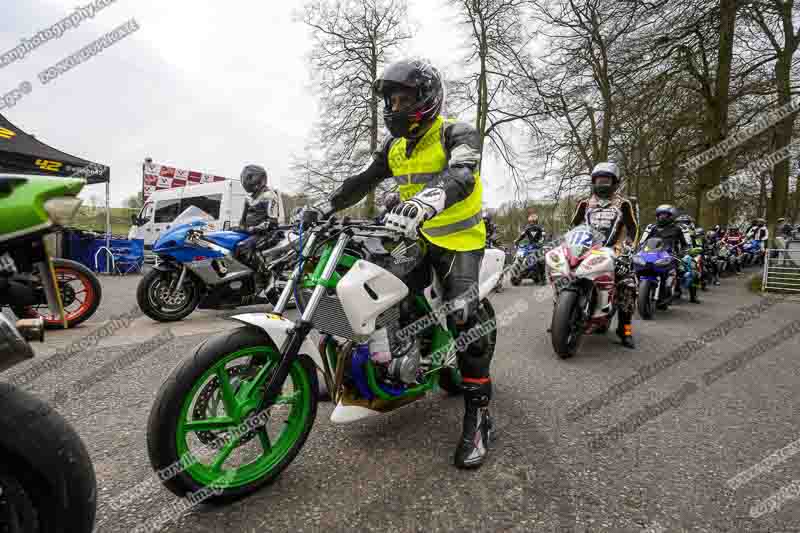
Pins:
x: 668, y: 470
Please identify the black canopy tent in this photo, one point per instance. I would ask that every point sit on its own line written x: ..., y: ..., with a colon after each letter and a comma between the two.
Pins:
x: 23, y: 154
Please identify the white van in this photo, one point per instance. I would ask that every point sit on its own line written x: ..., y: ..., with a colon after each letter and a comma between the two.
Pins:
x: 223, y: 200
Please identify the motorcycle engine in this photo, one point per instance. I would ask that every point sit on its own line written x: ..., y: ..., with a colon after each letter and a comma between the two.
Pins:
x: 405, y: 365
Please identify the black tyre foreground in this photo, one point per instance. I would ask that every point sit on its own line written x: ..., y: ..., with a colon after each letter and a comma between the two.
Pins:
x: 46, y: 477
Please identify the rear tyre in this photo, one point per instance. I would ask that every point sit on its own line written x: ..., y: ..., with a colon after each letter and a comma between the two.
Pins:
x: 47, y: 480
x: 566, y: 328
x: 645, y: 299
x: 157, y: 301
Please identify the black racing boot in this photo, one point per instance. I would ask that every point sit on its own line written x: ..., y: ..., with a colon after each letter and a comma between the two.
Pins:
x: 625, y: 331
x: 478, y: 426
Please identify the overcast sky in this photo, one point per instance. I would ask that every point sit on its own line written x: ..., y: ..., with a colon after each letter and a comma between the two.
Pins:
x: 202, y: 85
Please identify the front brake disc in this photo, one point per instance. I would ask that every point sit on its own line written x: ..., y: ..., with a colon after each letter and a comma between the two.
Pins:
x: 209, y: 402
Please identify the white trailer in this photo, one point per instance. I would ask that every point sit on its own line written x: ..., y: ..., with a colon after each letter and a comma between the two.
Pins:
x: 223, y: 200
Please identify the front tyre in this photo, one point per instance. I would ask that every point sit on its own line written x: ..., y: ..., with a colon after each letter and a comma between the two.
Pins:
x: 47, y: 482
x: 80, y: 291
x: 645, y: 302
x: 204, y: 418
x: 157, y: 300
x: 566, y: 328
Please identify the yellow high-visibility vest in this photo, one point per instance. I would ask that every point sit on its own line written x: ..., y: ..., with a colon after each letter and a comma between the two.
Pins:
x: 460, y: 227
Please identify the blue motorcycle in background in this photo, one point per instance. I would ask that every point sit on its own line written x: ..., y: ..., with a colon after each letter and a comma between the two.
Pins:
x: 752, y: 253
x: 196, y: 269
x: 657, y: 272
x: 529, y: 264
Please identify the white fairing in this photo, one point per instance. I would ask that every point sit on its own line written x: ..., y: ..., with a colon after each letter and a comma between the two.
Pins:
x: 591, y: 268
x: 345, y: 414
x: 491, y: 271
x: 556, y: 263
x: 277, y: 328
x: 359, y: 306
x: 599, y: 263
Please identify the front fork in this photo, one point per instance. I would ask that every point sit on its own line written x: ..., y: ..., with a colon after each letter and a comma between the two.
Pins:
x: 296, y: 335
x: 173, y: 290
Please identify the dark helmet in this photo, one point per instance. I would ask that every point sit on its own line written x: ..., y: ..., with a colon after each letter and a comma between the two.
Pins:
x: 665, y: 214
x: 699, y: 232
x: 685, y: 220
x: 781, y: 220
x: 425, y: 79
x: 254, y: 179
x: 605, y: 169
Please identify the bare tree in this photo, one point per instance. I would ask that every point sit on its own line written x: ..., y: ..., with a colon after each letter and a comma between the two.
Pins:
x: 776, y: 19
x: 352, y: 41
x: 498, y: 90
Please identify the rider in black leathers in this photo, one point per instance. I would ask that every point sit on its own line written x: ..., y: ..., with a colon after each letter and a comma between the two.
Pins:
x: 491, y: 231
x: 677, y: 237
x: 260, y: 215
x: 533, y: 231
x: 413, y: 94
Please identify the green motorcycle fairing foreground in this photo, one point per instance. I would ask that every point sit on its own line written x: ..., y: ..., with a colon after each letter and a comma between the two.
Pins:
x: 227, y: 395
x: 63, y: 293
x: 47, y: 481
x: 22, y: 202
x: 24, y: 220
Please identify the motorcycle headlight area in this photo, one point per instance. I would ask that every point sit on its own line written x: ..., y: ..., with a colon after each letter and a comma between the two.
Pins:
x: 62, y: 210
x: 663, y: 263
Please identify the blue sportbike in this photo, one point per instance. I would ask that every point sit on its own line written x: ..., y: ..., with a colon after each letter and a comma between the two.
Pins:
x: 529, y: 264
x: 657, y: 271
x: 198, y: 269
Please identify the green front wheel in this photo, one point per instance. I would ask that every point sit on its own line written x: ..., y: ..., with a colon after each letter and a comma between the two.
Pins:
x: 205, y: 432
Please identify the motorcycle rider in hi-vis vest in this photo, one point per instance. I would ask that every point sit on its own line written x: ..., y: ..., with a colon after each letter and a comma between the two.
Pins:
x: 615, y: 217
x: 434, y: 162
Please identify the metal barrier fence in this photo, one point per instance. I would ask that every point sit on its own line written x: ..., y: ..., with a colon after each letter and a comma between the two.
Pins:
x: 782, y: 269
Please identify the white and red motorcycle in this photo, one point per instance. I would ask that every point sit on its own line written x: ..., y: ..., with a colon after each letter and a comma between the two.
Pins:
x: 581, y: 271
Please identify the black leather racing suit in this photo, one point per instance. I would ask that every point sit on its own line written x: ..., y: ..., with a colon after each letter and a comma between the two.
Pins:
x: 675, y: 237
x: 533, y: 232
x: 458, y: 271
x: 259, y: 218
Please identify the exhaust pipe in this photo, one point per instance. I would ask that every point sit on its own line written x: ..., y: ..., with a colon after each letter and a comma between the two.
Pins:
x: 32, y: 329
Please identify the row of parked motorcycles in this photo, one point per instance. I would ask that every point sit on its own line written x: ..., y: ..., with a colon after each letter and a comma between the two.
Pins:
x: 235, y: 412
x: 583, y: 275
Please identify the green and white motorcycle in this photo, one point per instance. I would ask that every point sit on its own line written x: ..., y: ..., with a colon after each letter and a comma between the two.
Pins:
x: 235, y: 413
x: 47, y: 482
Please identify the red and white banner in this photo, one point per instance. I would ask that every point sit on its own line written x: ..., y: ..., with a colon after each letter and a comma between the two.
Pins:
x: 157, y: 177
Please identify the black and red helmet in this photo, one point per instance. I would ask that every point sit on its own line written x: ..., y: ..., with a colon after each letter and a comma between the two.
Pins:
x: 421, y: 76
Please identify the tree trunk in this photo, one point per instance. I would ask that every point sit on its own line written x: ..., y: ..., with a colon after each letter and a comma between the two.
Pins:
x: 372, y: 210
x: 779, y: 200
x: 483, y: 97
